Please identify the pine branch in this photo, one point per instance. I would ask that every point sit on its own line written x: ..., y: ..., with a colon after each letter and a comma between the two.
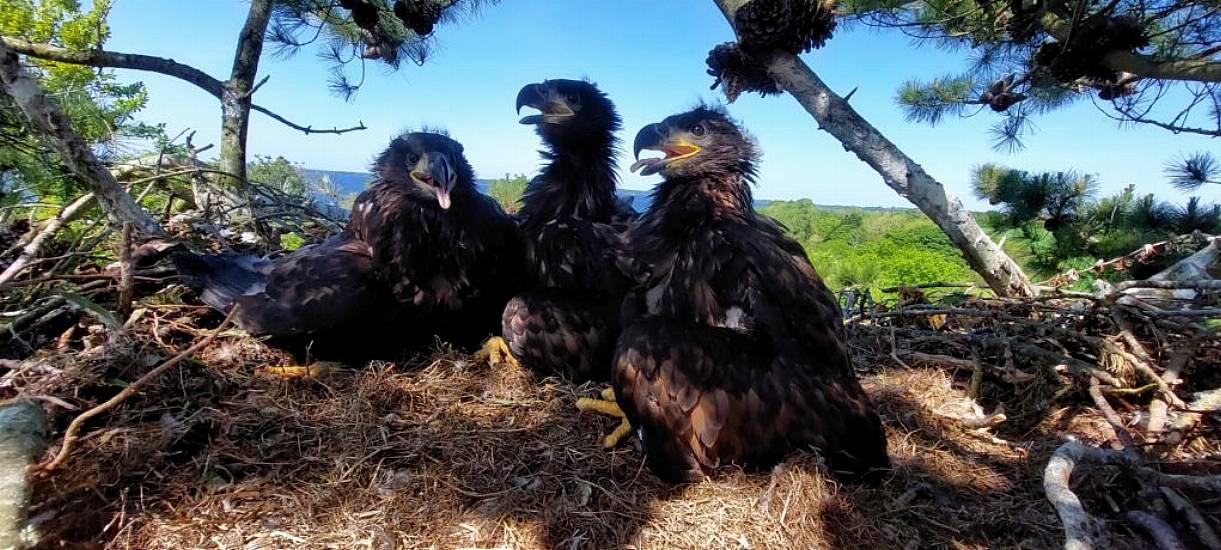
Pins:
x: 160, y: 65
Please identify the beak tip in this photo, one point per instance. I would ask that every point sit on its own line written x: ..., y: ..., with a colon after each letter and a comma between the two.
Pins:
x: 528, y: 95
x: 648, y: 136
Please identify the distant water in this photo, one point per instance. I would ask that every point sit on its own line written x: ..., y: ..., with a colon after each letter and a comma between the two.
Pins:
x: 355, y: 182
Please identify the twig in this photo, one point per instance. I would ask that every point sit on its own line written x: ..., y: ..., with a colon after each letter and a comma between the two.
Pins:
x: 894, y: 351
x: 1204, y: 531
x: 125, y: 272
x: 1116, y: 458
x: 1140, y: 255
x: 1158, y: 530
x: 1144, y: 368
x: 1204, y: 402
x: 931, y: 285
x: 31, y: 249
x: 1167, y: 285
x: 1159, y: 406
x: 1076, y: 365
x: 977, y: 375
x: 1121, y: 433
x: 72, y: 433
x: 938, y: 358
x: 307, y: 129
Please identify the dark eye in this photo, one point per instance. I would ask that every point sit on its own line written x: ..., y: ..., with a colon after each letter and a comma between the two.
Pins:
x: 413, y: 158
x: 698, y: 130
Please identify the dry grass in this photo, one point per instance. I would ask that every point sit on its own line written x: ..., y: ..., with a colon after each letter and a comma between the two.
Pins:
x: 443, y: 453
x: 440, y: 452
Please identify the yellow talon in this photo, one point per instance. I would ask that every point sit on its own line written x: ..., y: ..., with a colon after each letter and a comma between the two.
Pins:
x: 608, y: 406
x: 495, y: 351
x: 319, y: 369
x: 604, y: 406
x: 622, y: 430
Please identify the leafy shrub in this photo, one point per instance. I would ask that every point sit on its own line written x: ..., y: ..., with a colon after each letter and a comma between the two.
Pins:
x: 507, y: 191
x: 870, y: 247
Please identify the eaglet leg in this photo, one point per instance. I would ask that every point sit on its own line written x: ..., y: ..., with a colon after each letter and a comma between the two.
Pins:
x: 609, y: 406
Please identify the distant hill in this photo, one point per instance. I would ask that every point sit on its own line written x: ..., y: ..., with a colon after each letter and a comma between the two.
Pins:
x: 355, y: 182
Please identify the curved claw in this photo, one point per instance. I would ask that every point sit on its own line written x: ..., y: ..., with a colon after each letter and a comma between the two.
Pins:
x: 608, y: 406
x: 495, y: 352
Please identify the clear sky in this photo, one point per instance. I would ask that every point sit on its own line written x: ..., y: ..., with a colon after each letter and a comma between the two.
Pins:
x: 649, y: 57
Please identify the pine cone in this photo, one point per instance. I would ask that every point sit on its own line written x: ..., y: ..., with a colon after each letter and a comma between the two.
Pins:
x: 794, y: 26
x: 736, y: 72
x: 813, y: 24
x: 1002, y: 101
x: 418, y: 15
x: 764, y: 25
x: 364, y: 13
x: 1112, y: 90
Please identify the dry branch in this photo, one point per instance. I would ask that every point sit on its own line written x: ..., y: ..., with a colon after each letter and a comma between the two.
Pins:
x: 1199, y: 525
x: 1080, y: 529
x: 1076, y: 365
x: 126, y: 272
x: 1158, y: 530
x: 22, y: 437
x: 1127, y: 445
x: 35, y: 245
x: 78, y: 157
x: 73, y: 431
x: 1204, y: 403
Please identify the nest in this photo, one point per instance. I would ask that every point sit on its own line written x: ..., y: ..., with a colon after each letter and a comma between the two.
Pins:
x: 440, y: 451
x: 448, y: 453
x: 239, y: 448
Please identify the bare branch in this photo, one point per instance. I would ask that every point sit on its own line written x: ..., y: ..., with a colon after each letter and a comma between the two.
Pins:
x: 161, y: 65
x: 118, y: 60
x: 1160, y: 531
x: 1080, y: 529
x: 307, y: 129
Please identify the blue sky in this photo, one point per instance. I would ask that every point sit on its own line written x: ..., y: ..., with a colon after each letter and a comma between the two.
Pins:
x: 649, y: 57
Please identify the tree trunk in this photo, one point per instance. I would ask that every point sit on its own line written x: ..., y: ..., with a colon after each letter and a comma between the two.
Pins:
x: 74, y: 152
x: 236, y: 96
x: 23, y: 427
x: 899, y: 171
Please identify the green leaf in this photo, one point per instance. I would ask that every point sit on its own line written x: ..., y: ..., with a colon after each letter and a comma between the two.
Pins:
x: 102, y: 314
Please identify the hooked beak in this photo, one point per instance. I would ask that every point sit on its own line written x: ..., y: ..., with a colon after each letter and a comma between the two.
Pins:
x: 551, y: 111
x: 656, y: 137
x: 433, y: 171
